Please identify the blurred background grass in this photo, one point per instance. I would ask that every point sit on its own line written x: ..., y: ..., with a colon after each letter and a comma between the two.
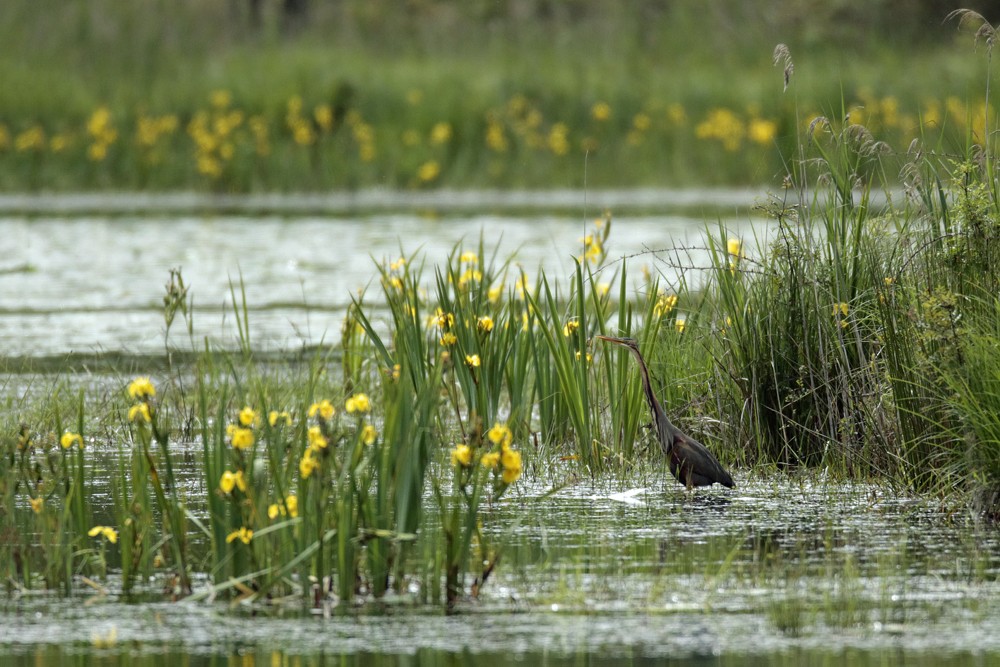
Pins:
x: 406, y: 94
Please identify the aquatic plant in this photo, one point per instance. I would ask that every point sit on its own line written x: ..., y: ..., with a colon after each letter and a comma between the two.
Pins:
x: 859, y: 338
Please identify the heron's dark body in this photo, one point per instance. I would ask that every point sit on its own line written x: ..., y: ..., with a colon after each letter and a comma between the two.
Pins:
x: 690, y: 461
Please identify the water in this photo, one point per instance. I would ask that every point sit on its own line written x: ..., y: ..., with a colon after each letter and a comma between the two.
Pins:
x: 798, y: 571
x: 779, y: 571
x: 72, y: 280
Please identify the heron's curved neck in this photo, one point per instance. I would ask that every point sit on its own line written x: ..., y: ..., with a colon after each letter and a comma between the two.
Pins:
x: 659, y: 414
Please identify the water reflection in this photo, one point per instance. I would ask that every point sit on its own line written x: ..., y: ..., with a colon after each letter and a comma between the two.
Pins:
x: 780, y: 572
x: 233, y: 655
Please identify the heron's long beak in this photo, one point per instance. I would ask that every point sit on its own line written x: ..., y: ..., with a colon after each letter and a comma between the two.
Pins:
x: 612, y: 339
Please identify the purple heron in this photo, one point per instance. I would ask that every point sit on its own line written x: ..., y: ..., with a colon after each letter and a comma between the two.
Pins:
x: 690, y: 461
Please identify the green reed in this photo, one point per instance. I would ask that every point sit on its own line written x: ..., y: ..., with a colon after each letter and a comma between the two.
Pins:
x: 858, y: 337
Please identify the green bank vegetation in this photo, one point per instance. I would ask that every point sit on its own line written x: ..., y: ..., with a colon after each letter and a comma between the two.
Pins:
x: 195, y: 95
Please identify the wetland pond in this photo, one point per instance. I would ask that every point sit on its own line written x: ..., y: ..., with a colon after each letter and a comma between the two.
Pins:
x: 74, y: 280
x: 781, y: 570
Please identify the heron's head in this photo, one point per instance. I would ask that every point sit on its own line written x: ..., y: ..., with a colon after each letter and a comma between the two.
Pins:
x: 630, y: 343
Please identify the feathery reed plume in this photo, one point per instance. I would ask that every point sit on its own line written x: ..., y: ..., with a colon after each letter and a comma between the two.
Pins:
x: 864, y: 142
x: 784, y: 57
x: 986, y: 31
x: 817, y: 121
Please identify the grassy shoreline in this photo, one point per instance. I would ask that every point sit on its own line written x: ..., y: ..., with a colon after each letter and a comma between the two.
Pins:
x: 314, y: 114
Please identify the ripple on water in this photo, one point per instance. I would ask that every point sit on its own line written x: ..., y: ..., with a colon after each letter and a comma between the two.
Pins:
x: 775, y: 566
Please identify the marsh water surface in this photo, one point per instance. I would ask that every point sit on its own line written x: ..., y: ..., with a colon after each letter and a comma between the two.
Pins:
x: 793, y: 571
x: 781, y: 570
x: 74, y: 280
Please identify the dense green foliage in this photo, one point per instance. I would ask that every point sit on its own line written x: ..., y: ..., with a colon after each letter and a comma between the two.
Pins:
x: 191, y: 95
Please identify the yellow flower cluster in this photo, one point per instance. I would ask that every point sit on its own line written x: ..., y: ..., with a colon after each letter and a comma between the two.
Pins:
x: 149, y: 131
x: 496, y: 135
x: 593, y: 249
x: 142, y: 390
x: 504, y: 459
x: 232, y: 480
x: 444, y: 320
x: 30, y: 140
x: 248, y: 417
x: 734, y: 247
x: 523, y: 121
x: 240, y: 434
x: 358, y: 403
x: 641, y: 123
x: 461, y: 455
x: 240, y: 437
x: 300, y: 126
x: 429, y: 171
x: 110, y: 534
x: 322, y: 410
x: 317, y: 441
x: 274, y: 418
x: 68, y: 439
x: 558, y: 140
x: 665, y: 303
x: 722, y: 125
x: 323, y: 115
x: 140, y: 411
x: 213, y: 133
x: 440, y: 134
x: 394, y: 276
x: 601, y: 111
x: 244, y: 535
x: 223, y: 133
x: 471, y: 273
x: 288, y: 508
x: 509, y: 459
x: 102, y: 134
x: 840, y: 311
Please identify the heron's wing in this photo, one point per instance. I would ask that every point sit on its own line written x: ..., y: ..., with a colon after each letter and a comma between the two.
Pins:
x: 697, y: 458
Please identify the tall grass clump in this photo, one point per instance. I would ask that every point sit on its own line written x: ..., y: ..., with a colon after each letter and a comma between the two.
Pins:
x: 860, y: 334
x: 796, y: 324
